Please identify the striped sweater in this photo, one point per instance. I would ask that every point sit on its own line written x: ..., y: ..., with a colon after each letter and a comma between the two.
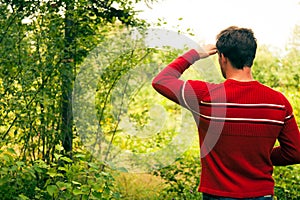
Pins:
x: 238, y: 125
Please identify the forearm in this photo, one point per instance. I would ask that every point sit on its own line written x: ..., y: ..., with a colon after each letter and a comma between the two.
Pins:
x: 288, y: 152
x: 280, y: 157
x: 167, y: 82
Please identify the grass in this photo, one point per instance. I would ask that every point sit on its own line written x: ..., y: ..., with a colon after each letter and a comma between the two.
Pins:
x: 139, y: 186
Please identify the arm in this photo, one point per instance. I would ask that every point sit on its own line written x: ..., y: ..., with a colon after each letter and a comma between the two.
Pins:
x: 167, y: 82
x: 289, y: 139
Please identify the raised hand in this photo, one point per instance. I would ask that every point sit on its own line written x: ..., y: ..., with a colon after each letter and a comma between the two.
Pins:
x: 207, y: 50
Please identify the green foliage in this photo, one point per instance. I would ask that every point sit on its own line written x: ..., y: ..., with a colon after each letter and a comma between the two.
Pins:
x: 182, y: 177
x: 287, y: 182
x: 62, y: 179
x: 42, y: 45
x: 281, y: 73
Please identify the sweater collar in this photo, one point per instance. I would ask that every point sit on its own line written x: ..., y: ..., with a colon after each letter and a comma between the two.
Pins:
x: 232, y: 81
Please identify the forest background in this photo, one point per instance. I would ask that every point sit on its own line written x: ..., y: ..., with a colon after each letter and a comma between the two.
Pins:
x: 63, y: 60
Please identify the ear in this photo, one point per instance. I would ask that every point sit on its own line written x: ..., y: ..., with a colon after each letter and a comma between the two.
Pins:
x: 223, y: 58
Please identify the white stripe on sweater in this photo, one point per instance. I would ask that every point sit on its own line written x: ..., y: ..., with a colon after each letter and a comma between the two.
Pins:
x: 233, y: 119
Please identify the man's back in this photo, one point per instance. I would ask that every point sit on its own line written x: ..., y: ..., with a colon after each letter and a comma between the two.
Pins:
x: 237, y: 136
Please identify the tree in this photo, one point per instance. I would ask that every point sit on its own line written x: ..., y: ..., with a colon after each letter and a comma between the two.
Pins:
x: 42, y: 45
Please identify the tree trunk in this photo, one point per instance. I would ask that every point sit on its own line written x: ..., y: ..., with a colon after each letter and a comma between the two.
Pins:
x: 67, y: 78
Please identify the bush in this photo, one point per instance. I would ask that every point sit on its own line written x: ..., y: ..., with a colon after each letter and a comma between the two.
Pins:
x: 287, y: 181
x: 181, y: 178
x: 64, y: 179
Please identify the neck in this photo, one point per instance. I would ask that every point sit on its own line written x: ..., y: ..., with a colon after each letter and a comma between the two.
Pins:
x: 242, y: 75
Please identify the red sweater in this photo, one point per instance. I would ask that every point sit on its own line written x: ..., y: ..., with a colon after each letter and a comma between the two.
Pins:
x: 238, y: 124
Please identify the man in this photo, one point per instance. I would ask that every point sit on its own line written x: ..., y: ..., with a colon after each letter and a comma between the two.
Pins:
x: 238, y: 120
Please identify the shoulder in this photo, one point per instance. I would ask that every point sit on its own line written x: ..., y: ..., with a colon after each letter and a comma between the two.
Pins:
x: 204, y: 83
x: 278, y: 97
x: 273, y: 91
x: 205, y: 90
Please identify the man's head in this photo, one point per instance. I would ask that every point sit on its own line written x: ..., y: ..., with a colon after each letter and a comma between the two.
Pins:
x: 238, y: 45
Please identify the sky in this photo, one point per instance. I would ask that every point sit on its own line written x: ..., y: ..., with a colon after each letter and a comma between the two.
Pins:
x: 271, y: 20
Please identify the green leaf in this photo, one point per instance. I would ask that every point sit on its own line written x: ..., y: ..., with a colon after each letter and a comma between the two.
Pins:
x: 86, y: 189
x: 79, y: 155
x: 77, y: 191
x: 23, y: 197
x: 93, y: 165
x: 59, y: 147
x: 97, y: 194
x: 76, y: 183
x: 20, y: 163
x: 52, y: 190
x: 63, y: 186
x: 57, y: 156
x: 66, y: 159
x: 52, y: 174
x: 7, y: 157
x: 11, y: 150
x: 62, y: 169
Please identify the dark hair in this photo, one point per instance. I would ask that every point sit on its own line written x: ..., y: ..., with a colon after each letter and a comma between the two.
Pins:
x: 238, y: 45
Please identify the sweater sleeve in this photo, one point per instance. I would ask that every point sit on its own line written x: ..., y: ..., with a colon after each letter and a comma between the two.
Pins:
x: 289, y: 139
x: 167, y: 82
